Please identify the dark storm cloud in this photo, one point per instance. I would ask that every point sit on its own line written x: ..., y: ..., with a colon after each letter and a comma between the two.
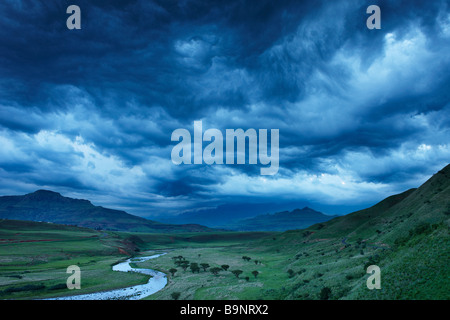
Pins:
x: 362, y: 113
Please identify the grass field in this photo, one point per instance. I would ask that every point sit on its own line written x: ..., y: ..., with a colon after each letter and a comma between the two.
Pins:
x: 34, y: 258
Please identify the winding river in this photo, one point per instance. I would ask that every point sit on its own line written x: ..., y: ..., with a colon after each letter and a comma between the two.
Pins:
x: 157, y: 281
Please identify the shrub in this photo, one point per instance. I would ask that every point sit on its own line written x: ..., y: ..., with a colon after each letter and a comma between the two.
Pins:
x: 318, y: 275
x: 306, y: 233
x: 373, y: 260
x: 175, y: 295
x: 58, y: 286
x: 325, y: 293
x: 215, y: 271
x: 423, y: 228
x: 28, y: 287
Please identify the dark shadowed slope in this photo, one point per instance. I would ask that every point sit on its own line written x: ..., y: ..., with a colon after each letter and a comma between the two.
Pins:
x: 49, y: 206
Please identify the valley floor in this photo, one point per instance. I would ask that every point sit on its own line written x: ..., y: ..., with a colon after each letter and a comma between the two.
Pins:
x: 297, y: 264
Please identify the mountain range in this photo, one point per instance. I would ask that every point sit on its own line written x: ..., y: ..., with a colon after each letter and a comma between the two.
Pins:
x: 49, y: 206
x: 280, y: 221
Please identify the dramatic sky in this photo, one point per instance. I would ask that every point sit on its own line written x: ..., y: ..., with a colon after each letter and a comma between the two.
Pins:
x: 362, y: 114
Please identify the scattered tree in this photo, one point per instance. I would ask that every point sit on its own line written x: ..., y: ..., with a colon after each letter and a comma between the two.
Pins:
x: 173, y: 271
x: 204, y: 266
x: 237, y: 273
x: 194, y: 267
x: 225, y: 267
x: 175, y: 295
x: 215, y: 271
x: 255, y: 273
x: 184, y: 265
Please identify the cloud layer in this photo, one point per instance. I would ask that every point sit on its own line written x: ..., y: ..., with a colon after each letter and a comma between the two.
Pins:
x: 362, y: 113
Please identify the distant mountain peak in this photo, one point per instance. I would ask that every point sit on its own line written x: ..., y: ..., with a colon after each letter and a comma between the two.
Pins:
x: 46, y: 193
x: 49, y: 196
x: 42, y: 194
x: 305, y: 210
x: 281, y: 221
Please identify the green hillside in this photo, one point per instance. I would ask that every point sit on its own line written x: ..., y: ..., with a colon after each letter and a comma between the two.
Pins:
x: 406, y: 235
